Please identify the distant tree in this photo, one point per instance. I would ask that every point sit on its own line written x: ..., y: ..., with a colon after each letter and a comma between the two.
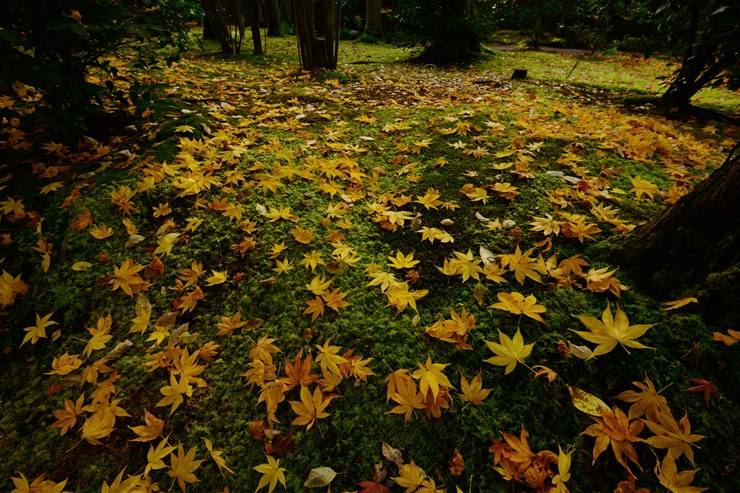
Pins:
x: 373, y: 18
x: 449, y: 31
x: 216, y: 24
x: 707, y: 32
x: 272, y: 10
x: 317, y: 24
x: 222, y: 14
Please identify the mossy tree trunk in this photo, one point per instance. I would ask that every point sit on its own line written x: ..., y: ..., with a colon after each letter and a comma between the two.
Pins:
x: 694, y: 246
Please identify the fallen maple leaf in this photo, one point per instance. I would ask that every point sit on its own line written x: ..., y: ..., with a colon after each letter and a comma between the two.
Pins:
x: 615, y: 429
x: 517, y: 304
x: 732, y: 337
x: 183, y: 466
x: 38, y: 331
x: 372, y: 487
x: 672, y: 435
x: 430, y: 377
x: 217, y: 456
x: 508, y: 351
x: 310, y: 408
x: 411, y: 476
x: 473, y: 391
x: 151, y: 430
x: 676, y: 304
x: 611, y: 330
x: 676, y: 482
x: 704, y: 386
x: 648, y: 401
x: 405, y: 394
x: 271, y: 474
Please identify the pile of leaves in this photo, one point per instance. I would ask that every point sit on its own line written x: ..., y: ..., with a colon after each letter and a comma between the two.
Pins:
x: 366, y: 285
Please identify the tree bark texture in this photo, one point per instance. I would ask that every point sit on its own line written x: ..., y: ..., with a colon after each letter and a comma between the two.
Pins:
x: 254, y: 8
x: 317, y: 28
x: 373, y: 18
x: 694, y: 245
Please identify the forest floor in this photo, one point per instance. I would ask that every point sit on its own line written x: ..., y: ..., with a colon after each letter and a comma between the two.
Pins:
x: 385, y: 278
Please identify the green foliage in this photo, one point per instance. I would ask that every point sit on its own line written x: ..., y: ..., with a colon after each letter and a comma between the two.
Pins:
x: 60, y: 50
x: 449, y: 32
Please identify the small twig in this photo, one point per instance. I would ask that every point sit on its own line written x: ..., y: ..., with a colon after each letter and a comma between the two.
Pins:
x: 580, y: 58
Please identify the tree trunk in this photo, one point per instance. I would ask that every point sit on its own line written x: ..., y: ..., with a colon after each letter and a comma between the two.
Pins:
x: 694, y: 246
x: 695, y: 72
x: 216, y: 15
x: 254, y: 7
x: 317, y: 28
x: 273, y: 18
x: 373, y: 18
x: 208, y: 32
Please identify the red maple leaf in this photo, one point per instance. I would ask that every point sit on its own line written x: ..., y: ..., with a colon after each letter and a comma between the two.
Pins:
x: 705, y: 386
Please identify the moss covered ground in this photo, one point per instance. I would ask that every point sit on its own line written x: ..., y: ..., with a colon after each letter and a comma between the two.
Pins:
x: 205, y: 235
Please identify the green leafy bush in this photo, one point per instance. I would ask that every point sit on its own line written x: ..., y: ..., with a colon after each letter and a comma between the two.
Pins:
x: 59, y: 47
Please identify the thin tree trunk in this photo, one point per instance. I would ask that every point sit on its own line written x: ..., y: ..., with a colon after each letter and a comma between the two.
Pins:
x: 216, y: 15
x: 273, y: 18
x: 254, y: 6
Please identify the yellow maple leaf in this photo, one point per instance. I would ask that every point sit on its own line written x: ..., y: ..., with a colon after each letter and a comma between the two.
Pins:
x: 38, y: 331
x: 312, y: 260
x: 508, y: 351
x: 517, y: 304
x: 218, y: 277
x: 127, y: 278
x: 676, y: 304
x: 310, y: 408
x: 335, y: 299
x: 673, y: 435
x: 67, y: 417
x: 173, y: 393
x: 101, y: 232
x: 401, y: 261
x: 271, y: 474
x: 151, y: 430
x: 329, y: 360
x: 217, y: 456
x: 641, y: 187
x: 64, y: 364
x: 315, y: 308
x: 563, y: 475
x: 301, y: 235
x: 183, y: 466
x: 674, y: 481
x: 155, y: 455
x: 473, y: 391
x: 404, y: 392
x: 612, y: 330
x: 430, y: 377
x: 411, y: 476
x: 99, y: 425
x: 100, y: 335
